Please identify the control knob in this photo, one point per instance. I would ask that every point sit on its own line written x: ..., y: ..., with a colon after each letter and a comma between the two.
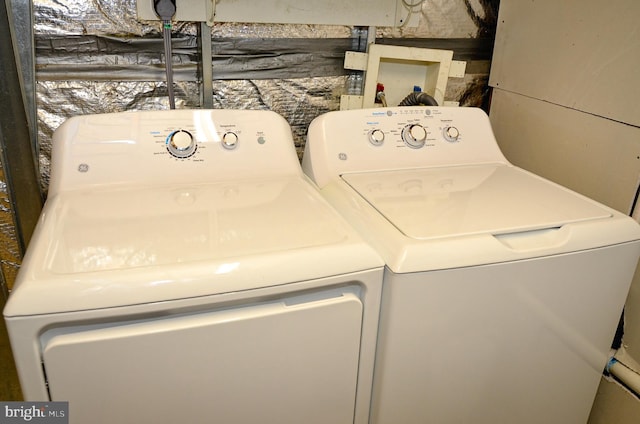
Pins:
x: 181, y: 144
x: 451, y: 134
x: 414, y: 135
x: 376, y: 137
x: 230, y: 140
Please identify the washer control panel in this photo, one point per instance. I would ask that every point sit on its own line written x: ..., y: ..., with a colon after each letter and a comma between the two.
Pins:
x: 411, y: 130
x: 171, y: 146
x: 397, y: 138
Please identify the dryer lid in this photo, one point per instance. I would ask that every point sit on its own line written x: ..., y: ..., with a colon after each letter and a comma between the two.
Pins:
x: 96, y: 231
x: 118, y: 247
x: 492, y: 199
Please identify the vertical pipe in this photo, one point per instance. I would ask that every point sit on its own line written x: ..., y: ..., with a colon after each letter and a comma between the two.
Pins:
x: 207, y: 66
x: 21, y: 16
x: 16, y: 150
x: 168, y: 61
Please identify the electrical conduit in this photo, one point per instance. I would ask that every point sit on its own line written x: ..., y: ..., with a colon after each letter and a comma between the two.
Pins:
x: 166, y: 9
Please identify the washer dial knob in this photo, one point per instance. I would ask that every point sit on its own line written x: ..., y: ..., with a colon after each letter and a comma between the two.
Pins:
x: 414, y: 135
x: 181, y: 144
x: 451, y: 134
x: 376, y: 137
x: 230, y: 140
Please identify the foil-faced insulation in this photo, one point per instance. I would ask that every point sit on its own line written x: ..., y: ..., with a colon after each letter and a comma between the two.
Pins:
x: 10, y: 256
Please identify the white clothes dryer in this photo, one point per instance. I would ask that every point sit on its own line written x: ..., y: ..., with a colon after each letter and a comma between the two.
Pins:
x: 185, y: 270
x: 502, y: 290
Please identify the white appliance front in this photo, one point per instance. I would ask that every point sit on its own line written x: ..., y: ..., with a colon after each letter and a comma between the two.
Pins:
x: 195, y: 293
x: 502, y: 291
x: 293, y: 359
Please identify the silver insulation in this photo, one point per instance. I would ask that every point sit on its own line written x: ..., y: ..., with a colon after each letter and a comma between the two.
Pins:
x: 10, y: 250
x: 94, y: 56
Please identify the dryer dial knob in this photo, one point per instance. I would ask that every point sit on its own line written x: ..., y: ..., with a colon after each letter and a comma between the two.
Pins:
x: 414, y: 135
x: 230, y: 140
x: 181, y: 144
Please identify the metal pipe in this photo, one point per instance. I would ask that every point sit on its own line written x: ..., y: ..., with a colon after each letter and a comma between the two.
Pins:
x: 16, y: 149
x: 207, y: 66
x: 168, y: 63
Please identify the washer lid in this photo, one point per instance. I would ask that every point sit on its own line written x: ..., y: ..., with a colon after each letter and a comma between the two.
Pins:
x: 97, y: 249
x: 460, y: 201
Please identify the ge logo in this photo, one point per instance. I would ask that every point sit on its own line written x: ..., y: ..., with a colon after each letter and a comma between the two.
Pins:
x: 342, y: 156
x: 83, y: 167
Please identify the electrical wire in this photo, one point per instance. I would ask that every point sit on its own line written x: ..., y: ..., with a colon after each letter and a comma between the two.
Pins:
x: 166, y: 35
x: 410, y: 6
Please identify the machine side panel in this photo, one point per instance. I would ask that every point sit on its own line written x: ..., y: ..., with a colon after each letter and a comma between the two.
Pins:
x: 476, y: 344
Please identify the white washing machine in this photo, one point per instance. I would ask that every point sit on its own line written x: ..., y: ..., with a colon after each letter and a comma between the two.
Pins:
x: 502, y: 290
x: 185, y: 270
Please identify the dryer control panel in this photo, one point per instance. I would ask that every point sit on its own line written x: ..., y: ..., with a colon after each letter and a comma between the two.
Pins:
x: 397, y: 138
x: 172, y: 146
